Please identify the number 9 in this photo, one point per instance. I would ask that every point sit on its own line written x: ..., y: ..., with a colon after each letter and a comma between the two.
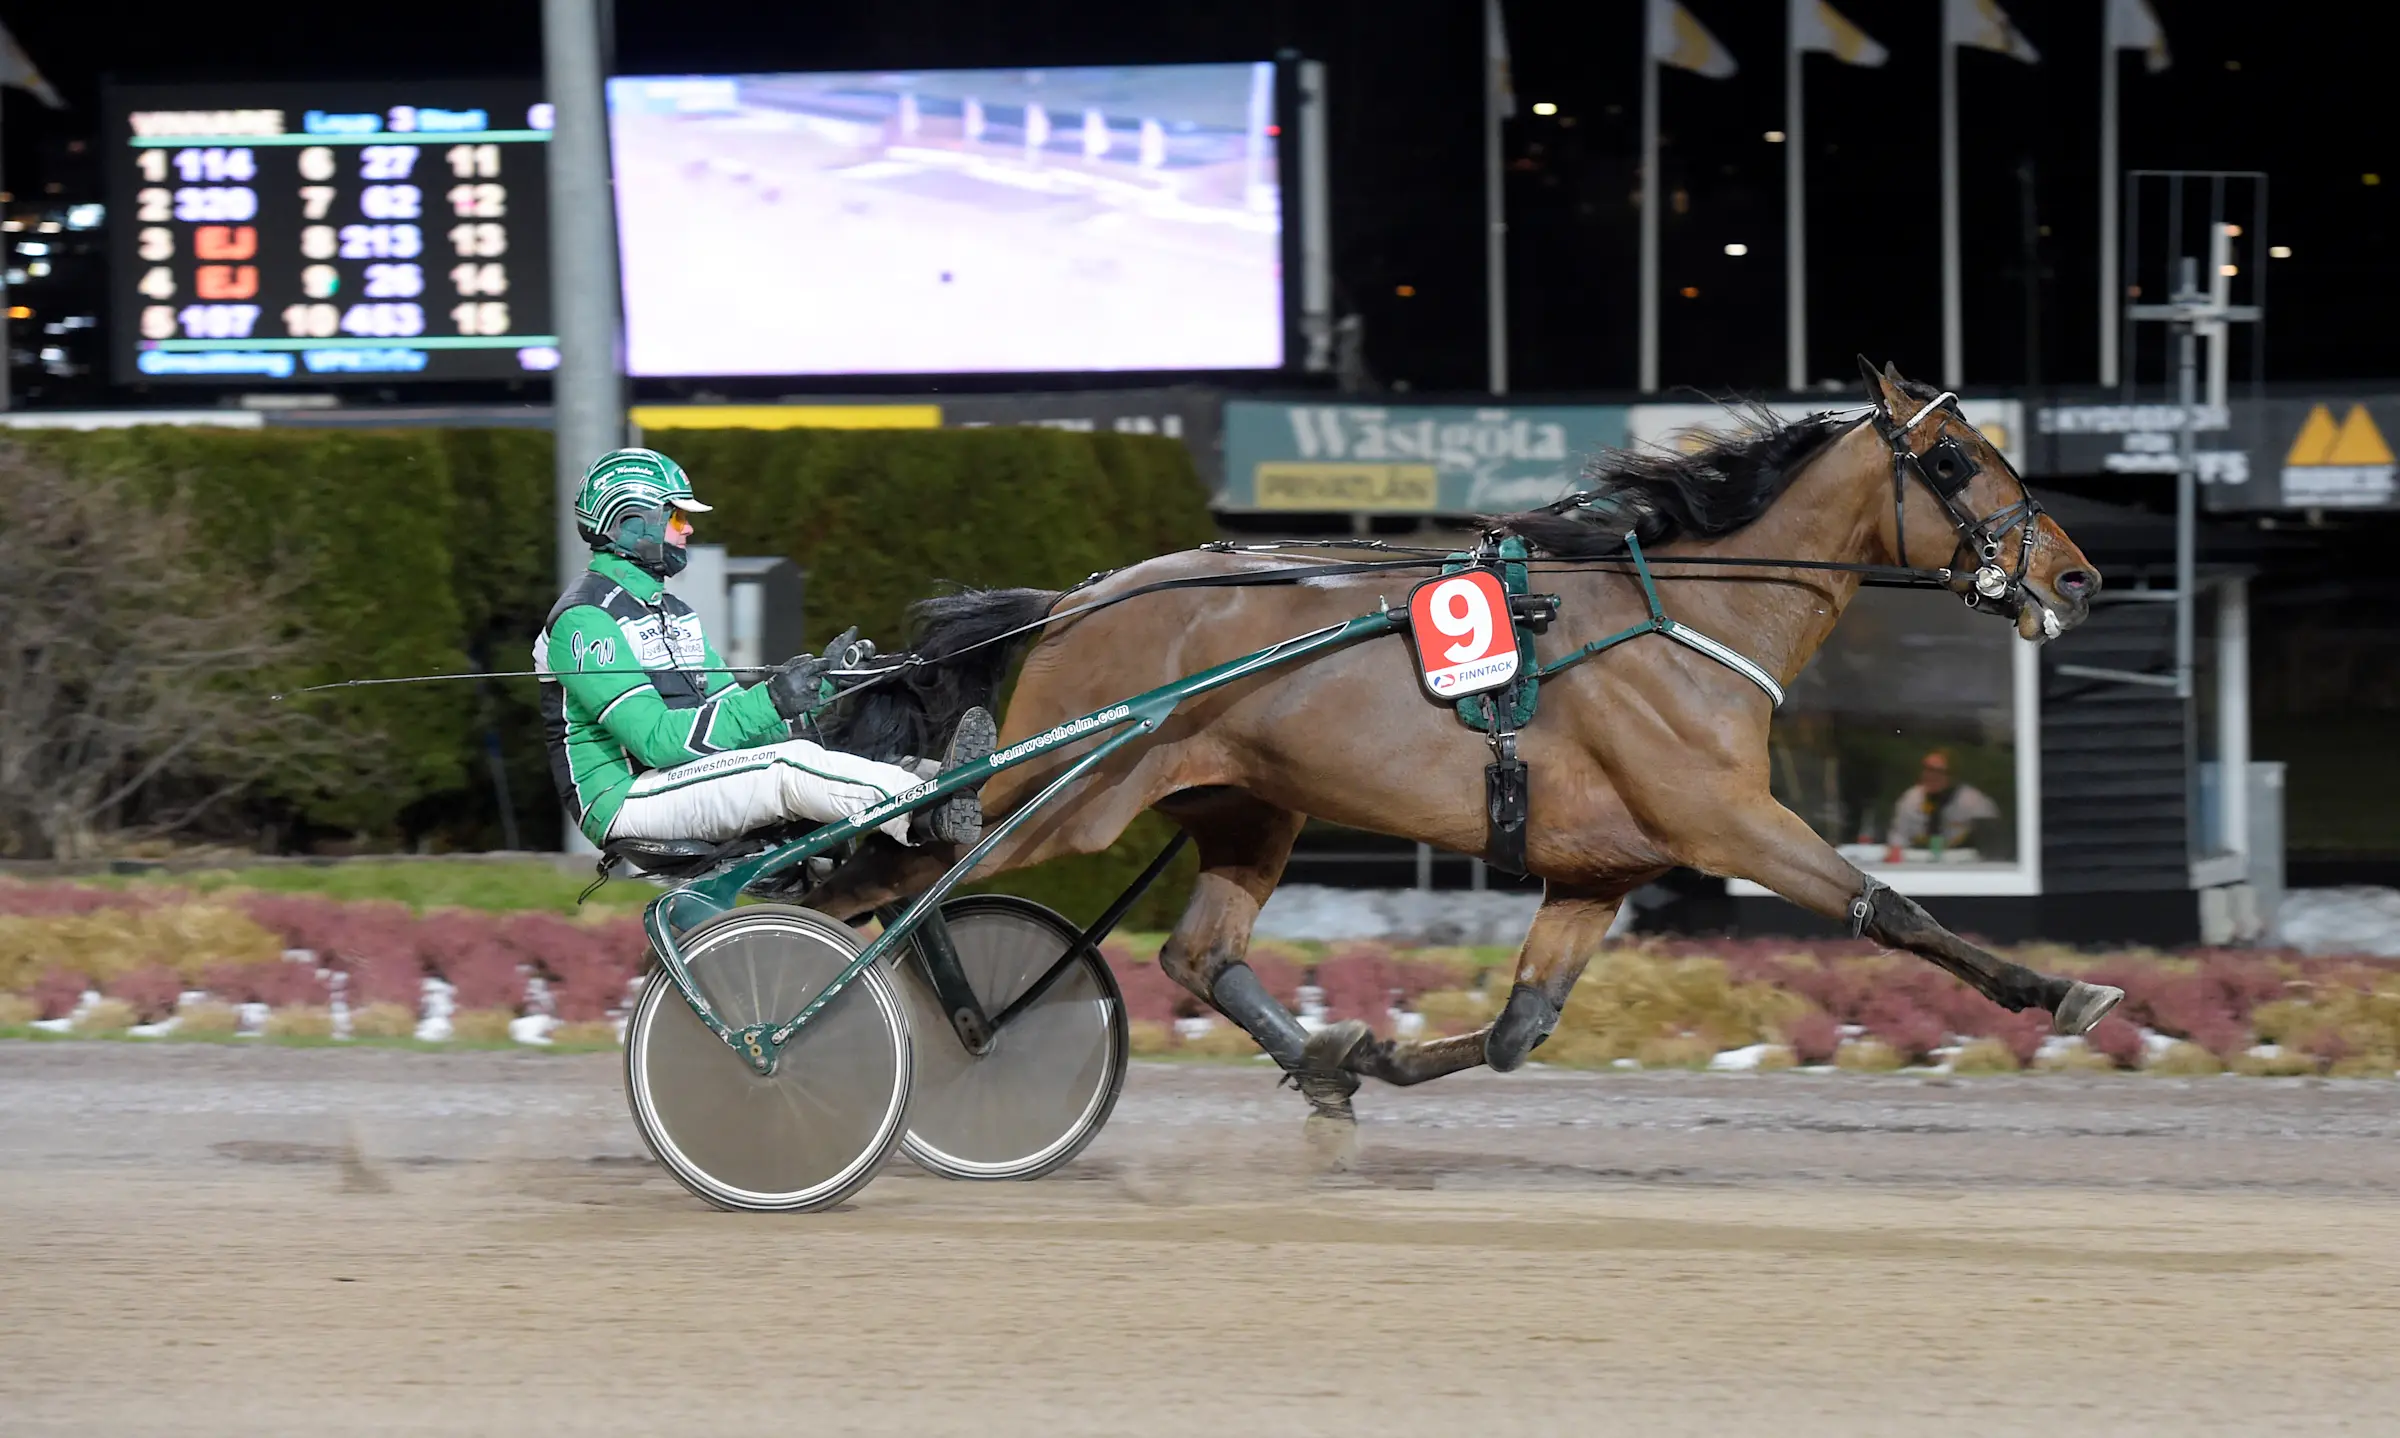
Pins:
x: 1459, y: 608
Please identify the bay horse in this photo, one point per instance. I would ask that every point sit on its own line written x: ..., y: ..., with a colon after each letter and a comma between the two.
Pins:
x: 1647, y: 757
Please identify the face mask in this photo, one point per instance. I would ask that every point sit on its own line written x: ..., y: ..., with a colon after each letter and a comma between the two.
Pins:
x: 642, y: 538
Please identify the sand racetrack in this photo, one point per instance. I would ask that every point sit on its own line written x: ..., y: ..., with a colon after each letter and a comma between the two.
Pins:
x: 203, y: 1239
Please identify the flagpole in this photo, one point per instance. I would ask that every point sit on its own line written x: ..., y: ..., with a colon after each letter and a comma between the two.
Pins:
x: 8, y: 349
x: 1953, y: 341
x: 1795, y: 216
x: 1495, y: 201
x: 1649, y: 353
x: 2109, y: 283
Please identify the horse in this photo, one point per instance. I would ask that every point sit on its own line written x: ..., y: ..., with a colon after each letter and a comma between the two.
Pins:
x: 1647, y: 757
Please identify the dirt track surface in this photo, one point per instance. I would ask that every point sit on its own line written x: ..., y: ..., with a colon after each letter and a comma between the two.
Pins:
x: 212, y: 1240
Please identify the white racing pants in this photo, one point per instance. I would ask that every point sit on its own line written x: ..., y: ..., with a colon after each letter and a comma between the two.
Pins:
x: 727, y: 795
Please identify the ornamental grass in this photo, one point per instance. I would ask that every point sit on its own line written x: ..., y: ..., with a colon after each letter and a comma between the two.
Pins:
x: 207, y: 1019
x: 383, y: 1021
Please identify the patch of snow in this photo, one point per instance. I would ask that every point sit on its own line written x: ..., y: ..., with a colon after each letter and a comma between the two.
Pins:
x: 53, y: 1026
x: 1431, y: 916
x: 1407, y: 1024
x: 160, y: 1029
x: 2266, y: 1051
x: 2058, y: 1046
x: 1194, y: 1028
x: 254, y: 1018
x: 1626, y: 1064
x: 1741, y: 1060
x: 2355, y: 919
x: 434, y: 1026
x: 2155, y: 1043
x: 531, y: 1028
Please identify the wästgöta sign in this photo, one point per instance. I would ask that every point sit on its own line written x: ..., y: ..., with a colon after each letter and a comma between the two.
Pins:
x: 1409, y: 459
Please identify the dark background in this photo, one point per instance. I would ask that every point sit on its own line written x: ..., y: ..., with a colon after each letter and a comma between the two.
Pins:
x: 2297, y: 90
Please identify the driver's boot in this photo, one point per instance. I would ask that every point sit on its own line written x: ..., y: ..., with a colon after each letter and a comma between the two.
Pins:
x: 959, y: 818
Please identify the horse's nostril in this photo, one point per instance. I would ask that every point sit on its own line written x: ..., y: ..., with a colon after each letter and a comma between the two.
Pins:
x: 2077, y: 582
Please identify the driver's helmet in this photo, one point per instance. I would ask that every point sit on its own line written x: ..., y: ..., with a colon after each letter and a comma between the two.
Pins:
x: 625, y: 504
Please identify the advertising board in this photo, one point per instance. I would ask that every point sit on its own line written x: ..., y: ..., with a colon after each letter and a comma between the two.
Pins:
x: 1409, y: 459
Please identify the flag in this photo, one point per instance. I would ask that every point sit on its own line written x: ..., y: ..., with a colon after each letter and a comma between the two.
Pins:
x: 2133, y: 25
x: 16, y: 68
x: 1678, y: 38
x: 1495, y: 55
x: 1983, y: 25
x: 1818, y: 27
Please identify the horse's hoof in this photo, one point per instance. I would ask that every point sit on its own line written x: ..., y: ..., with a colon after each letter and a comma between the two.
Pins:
x: 1322, y: 1077
x: 2084, y: 1006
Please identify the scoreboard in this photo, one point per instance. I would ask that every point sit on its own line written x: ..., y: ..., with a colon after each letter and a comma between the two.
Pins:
x: 317, y: 234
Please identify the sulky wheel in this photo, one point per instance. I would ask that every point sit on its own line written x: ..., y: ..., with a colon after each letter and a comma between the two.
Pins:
x: 809, y: 1134
x: 1049, y: 1078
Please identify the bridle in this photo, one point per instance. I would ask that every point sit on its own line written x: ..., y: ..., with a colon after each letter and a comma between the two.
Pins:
x: 1945, y: 468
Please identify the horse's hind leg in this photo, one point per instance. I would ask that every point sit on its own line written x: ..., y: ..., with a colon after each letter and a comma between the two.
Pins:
x: 1567, y: 930
x: 1243, y: 842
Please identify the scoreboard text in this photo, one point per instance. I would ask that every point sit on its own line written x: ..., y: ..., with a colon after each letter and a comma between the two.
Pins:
x: 328, y: 233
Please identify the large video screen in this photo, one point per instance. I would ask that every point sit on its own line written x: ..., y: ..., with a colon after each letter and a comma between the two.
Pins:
x: 316, y: 233
x: 950, y: 221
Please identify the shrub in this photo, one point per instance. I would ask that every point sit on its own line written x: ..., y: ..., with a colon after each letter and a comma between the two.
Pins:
x: 300, y: 1021
x: 383, y: 1021
x: 2117, y: 1041
x: 1676, y: 1051
x: 1455, y: 1011
x: 1150, y: 996
x: 1776, y: 1058
x: 2077, y: 1058
x: 584, y: 1034
x: 1985, y: 1056
x: 587, y: 966
x: 1148, y: 1038
x: 1910, y: 1031
x: 17, y: 1011
x: 1813, y: 1035
x: 208, y: 1019
x: 2288, y: 1063
x: 1630, y: 996
x: 2184, y: 1059
x: 481, y: 1026
x: 58, y: 991
x: 278, y: 983
x: 108, y: 1016
x: 1868, y: 1056
x: 152, y: 991
x: 467, y: 950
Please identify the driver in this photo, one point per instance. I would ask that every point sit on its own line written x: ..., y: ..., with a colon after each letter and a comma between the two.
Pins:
x: 650, y: 738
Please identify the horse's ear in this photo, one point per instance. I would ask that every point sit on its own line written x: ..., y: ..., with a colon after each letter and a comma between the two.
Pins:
x: 1886, y: 388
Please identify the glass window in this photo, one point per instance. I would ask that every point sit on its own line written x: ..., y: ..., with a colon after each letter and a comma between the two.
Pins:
x: 1899, y: 743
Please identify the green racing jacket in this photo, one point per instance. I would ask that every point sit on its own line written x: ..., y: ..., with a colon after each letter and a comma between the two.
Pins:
x: 626, y: 689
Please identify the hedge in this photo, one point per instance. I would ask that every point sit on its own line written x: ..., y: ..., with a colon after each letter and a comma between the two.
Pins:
x: 423, y: 551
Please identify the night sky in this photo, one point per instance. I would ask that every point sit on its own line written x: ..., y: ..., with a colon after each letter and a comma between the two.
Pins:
x: 2296, y: 90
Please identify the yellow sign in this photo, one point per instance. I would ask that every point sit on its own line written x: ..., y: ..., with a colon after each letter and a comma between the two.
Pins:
x: 2348, y: 464
x: 1296, y: 484
x: 787, y: 416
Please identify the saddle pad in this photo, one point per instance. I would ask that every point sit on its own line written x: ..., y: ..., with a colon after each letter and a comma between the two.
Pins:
x: 1475, y: 711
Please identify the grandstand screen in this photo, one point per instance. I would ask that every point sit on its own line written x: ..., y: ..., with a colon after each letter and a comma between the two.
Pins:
x: 950, y: 221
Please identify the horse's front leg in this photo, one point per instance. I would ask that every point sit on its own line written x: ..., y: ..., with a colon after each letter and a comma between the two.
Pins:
x: 1748, y: 835
x: 1567, y: 930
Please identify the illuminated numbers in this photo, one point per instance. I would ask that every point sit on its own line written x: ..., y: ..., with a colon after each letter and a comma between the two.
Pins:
x: 317, y: 242
x: 479, y: 202
x: 156, y: 243
x: 381, y: 242
x: 475, y: 279
x: 312, y: 321
x: 474, y: 162
x: 155, y: 205
x: 319, y: 282
x: 316, y: 163
x: 395, y: 282
x: 400, y: 119
x: 391, y: 202
x: 383, y: 321
x: 479, y: 241
x: 225, y: 242
x: 315, y: 201
x: 221, y: 202
x: 485, y: 317
x: 225, y: 282
x: 158, y: 283
x: 218, y: 322
x: 158, y: 322
x: 215, y: 167
x: 153, y: 165
x: 386, y: 162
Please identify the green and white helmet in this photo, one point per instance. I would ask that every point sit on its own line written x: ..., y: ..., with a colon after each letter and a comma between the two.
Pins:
x: 624, y: 503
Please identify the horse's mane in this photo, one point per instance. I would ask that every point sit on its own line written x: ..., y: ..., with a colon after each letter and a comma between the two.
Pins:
x: 1661, y: 495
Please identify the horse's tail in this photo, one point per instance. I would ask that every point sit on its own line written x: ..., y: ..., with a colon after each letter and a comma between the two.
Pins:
x: 960, y: 636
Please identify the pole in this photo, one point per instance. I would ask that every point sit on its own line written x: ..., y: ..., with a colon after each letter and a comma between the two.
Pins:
x: 587, y: 392
x: 1795, y: 221
x: 2187, y: 478
x: 2110, y: 286
x: 1495, y: 213
x: 1954, y: 344
x: 8, y: 343
x: 1649, y: 353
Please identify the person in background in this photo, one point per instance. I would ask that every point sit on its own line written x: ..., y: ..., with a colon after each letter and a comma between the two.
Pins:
x: 1938, y: 806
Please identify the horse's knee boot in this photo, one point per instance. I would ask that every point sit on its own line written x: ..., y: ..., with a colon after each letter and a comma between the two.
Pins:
x: 1520, y: 1029
x: 1239, y: 996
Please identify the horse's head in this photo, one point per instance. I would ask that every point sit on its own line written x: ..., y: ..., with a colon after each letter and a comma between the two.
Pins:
x: 1957, y: 503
